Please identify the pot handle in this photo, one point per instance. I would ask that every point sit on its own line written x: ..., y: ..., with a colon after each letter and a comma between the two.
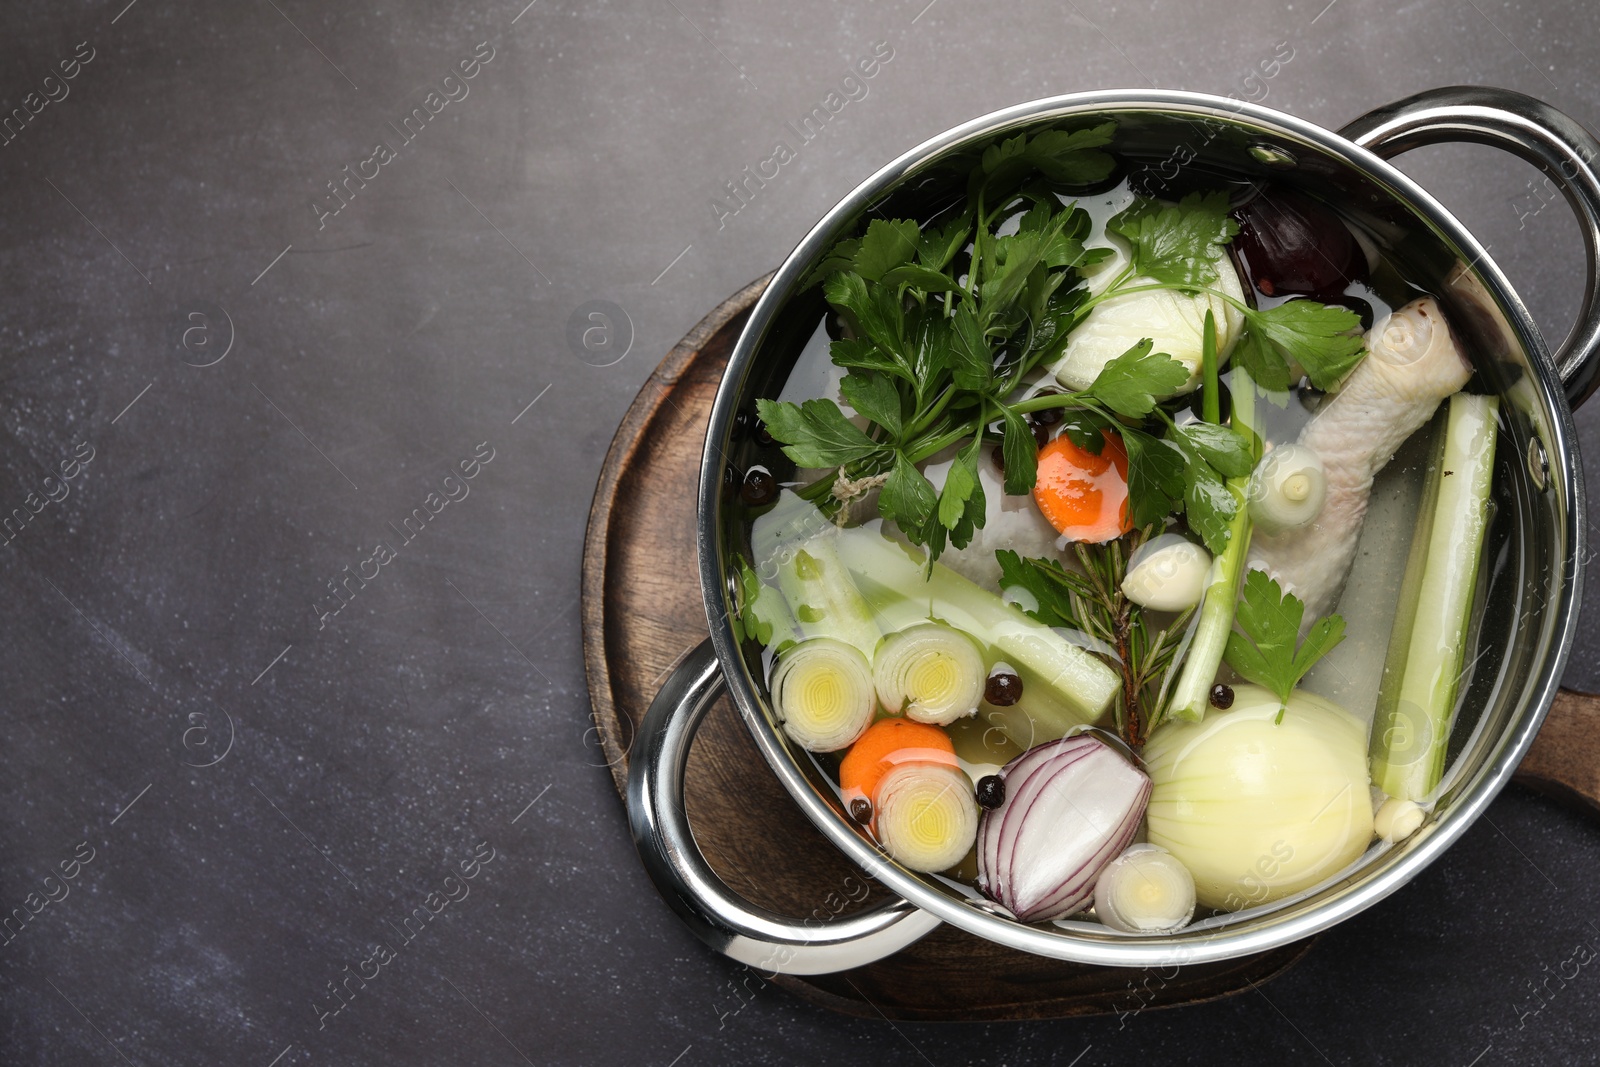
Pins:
x: 1540, y: 134
x: 719, y: 917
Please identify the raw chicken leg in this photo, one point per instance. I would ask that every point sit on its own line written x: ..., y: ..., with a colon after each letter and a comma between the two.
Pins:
x: 1411, y: 365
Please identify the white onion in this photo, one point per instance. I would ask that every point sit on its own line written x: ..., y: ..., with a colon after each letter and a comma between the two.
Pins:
x: 932, y: 672
x: 926, y: 818
x: 822, y: 693
x: 1257, y: 809
x: 1145, y: 891
x: 1071, y: 807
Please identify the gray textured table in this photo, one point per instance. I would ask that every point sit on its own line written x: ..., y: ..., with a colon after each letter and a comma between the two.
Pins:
x: 276, y: 340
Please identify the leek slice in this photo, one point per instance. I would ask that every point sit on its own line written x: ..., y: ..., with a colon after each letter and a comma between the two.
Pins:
x: 930, y: 672
x: 927, y: 819
x: 1146, y: 890
x: 822, y: 693
x: 1422, y: 673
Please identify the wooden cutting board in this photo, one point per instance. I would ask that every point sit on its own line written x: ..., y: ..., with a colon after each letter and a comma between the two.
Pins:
x: 639, y: 558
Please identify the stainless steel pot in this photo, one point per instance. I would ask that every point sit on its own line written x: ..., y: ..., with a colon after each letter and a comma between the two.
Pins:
x: 1534, y: 596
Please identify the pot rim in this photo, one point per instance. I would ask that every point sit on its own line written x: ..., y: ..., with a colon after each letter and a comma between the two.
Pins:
x: 1363, y: 887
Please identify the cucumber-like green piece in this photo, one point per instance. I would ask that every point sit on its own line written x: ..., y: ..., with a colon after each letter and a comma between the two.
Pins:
x: 1422, y: 672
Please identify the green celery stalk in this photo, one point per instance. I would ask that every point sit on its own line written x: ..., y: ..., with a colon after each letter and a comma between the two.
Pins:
x: 821, y: 596
x: 1422, y: 672
x: 1062, y: 684
x: 1191, y: 695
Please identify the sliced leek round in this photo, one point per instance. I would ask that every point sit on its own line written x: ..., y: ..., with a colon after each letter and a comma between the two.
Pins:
x: 931, y: 672
x: 1146, y: 890
x: 927, y: 818
x: 822, y: 693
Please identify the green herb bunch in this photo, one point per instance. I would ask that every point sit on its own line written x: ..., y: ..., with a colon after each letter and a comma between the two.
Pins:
x: 946, y: 322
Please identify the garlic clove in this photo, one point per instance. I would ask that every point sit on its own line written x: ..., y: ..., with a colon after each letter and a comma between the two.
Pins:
x: 1167, y: 573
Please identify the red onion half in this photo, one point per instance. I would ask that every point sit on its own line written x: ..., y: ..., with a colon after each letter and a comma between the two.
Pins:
x: 1071, y: 808
x: 1291, y: 244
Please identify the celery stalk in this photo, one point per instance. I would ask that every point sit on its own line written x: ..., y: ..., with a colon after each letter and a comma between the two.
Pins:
x: 1191, y: 695
x: 1422, y: 672
x: 824, y: 601
x: 1062, y: 685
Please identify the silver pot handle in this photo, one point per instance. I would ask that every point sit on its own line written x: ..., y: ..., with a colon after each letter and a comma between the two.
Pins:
x: 725, y: 921
x: 1535, y: 131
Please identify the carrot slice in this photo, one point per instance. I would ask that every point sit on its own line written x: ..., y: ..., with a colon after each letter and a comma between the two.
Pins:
x: 887, y: 744
x: 1084, y: 496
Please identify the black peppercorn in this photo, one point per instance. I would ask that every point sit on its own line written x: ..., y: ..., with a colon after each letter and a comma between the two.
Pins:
x: 861, y: 810
x: 1046, y: 417
x: 1221, y: 697
x: 1003, y: 689
x: 741, y: 423
x: 760, y: 487
x: 762, y: 436
x: 991, y: 791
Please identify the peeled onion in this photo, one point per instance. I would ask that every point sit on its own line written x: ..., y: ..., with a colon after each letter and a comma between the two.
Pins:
x: 1071, y: 807
x: 822, y: 693
x: 1257, y: 809
x: 926, y: 818
x: 932, y: 672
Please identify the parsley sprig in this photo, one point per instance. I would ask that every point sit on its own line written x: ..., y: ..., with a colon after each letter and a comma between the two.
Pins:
x: 1266, y: 647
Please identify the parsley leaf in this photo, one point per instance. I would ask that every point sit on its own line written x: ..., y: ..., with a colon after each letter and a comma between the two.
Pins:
x: 875, y: 397
x: 1265, y: 652
x: 1317, y: 336
x: 1177, y: 243
x: 1156, y: 481
x: 885, y: 246
x: 1131, y: 383
x: 1020, y: 453
x: 1222, y: 447
x: 962, y: 502
x: 815, y: 433
x: 907, y: 499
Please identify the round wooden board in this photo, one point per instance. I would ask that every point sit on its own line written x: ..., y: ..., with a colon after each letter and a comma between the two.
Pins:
x: 639, y: 557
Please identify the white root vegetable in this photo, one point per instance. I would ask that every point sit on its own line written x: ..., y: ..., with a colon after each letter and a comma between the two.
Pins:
x: 926, y: 817
x: 1167, y: 573
x: 822, y: 692
x: 1174, y: 321
x: 1257, y: 809
x: 1145, y: 891
x: 1412, y: 364
x: 931, y: 672
x: 1287, y: 489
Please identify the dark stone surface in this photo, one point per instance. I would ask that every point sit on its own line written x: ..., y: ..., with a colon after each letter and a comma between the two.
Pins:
x: 168, y: 608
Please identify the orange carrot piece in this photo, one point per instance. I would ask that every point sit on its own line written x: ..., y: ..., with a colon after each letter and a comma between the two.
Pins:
x: 1084, y: 496
x: 887, y: 744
